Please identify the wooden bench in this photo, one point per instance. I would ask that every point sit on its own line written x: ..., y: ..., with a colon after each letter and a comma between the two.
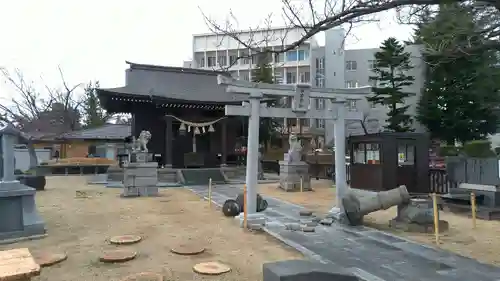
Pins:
x: 17, y: 265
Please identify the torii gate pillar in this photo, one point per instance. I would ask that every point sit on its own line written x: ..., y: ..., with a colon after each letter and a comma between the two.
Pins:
x: 300, y: 109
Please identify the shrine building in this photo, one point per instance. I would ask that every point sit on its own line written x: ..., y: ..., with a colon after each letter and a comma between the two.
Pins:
x: 183, y: 108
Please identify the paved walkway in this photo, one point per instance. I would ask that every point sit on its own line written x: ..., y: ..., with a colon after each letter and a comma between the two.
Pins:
x: 370, y: 254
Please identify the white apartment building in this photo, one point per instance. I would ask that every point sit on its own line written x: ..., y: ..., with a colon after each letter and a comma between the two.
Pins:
x: 218, y: 52
x: 328, y: 66
x: 212, y: 51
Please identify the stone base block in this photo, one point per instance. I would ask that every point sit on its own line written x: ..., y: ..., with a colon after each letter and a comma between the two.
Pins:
x: 141, y: 169
x: 302, y: 270
x: 140, y: 157
x: 148, y: 191
x: 291, y: 175
x: 416, y: 227
x: 141, y: 181
x: 19, y: 217
x: 143, y: 191
x: 254, y: 221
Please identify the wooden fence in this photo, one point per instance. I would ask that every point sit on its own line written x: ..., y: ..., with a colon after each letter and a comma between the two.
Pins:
x: 438, y: 180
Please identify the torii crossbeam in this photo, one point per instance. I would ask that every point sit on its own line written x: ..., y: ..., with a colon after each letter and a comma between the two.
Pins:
x: 301, y: 93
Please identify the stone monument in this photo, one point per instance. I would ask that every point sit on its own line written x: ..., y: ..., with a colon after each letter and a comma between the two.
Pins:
x: 18, y: 214
x: 140, y: 176
x: 293, y: 169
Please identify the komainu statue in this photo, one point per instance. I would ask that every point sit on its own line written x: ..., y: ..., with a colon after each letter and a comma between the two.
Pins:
x: 141, y: 144
x: 294, y: 152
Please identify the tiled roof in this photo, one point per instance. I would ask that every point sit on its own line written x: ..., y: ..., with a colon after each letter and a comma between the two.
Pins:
x: 178, y: 83
x: 105, y: 132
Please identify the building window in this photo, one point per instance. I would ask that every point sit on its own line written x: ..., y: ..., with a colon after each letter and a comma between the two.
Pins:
x: 201, y: 62
x: 232, y: 59
x: 351, y: 84
x: 222, y: 60
x: 291, y: 78
x: 351, y: 65
x: 320, y: 82
x: 320, y: 123
x: 278, y: 77
x: 320, y: 63
x: 245, y: 76
x: 303, y: 54
x: 245, y: 60
x: 279, y: 57
x: 371, y: 64
x: 211, y: 62
x: 320, y: 104
x: 351, y: 105
x: 305, y: 77
x: 291, y: 56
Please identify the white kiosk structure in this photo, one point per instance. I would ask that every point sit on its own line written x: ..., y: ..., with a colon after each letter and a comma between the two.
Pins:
x: 301, y: 109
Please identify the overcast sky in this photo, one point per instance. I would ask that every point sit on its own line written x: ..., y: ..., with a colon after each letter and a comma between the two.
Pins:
x: 91, y: 39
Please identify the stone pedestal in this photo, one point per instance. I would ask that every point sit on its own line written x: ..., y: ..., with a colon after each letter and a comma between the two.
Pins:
x: 140, y: 178
x: 291, y: 174
x: 18, y: 214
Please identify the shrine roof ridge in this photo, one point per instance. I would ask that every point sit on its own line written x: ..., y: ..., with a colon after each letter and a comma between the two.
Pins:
x: 163, y: 68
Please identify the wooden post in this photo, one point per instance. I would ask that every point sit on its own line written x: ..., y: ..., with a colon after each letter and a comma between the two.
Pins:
x: 301, y: 184
x: 245, y: 213
x: 210, y: 193
x: 436, y: 217
x: 473, y: 208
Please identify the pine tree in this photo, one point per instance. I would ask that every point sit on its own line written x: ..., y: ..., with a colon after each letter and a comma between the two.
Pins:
x: 94, y: 114
x: 390, y: 68
x: 268, y: 126
x: 263, y: 74
x: 460, y: 97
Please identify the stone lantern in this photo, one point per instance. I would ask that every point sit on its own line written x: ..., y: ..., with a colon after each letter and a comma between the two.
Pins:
x: 18, y: 214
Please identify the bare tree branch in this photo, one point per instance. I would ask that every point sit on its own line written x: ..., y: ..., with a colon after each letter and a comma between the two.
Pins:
x: 29, y: 104
x: 305, y: 14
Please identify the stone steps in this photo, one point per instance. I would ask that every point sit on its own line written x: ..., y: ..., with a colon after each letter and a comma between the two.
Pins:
x: 202, y: 176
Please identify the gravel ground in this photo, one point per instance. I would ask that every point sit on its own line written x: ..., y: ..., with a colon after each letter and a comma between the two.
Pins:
x: 80, y: 218
x: 482, y: 243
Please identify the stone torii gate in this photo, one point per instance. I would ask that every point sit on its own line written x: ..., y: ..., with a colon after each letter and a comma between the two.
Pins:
x: 301, y: 109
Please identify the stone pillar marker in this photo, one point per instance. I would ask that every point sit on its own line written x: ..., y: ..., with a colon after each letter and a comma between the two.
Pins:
x: 19, y: 217
x: 301, y: 109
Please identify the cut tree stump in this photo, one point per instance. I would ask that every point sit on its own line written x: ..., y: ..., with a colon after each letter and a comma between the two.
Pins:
x: 117, y: 256
x: 187, y: 250
x: 47, y: 258
x: 125, y: 239
x: 211, y: 268
x: 144, y: 276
